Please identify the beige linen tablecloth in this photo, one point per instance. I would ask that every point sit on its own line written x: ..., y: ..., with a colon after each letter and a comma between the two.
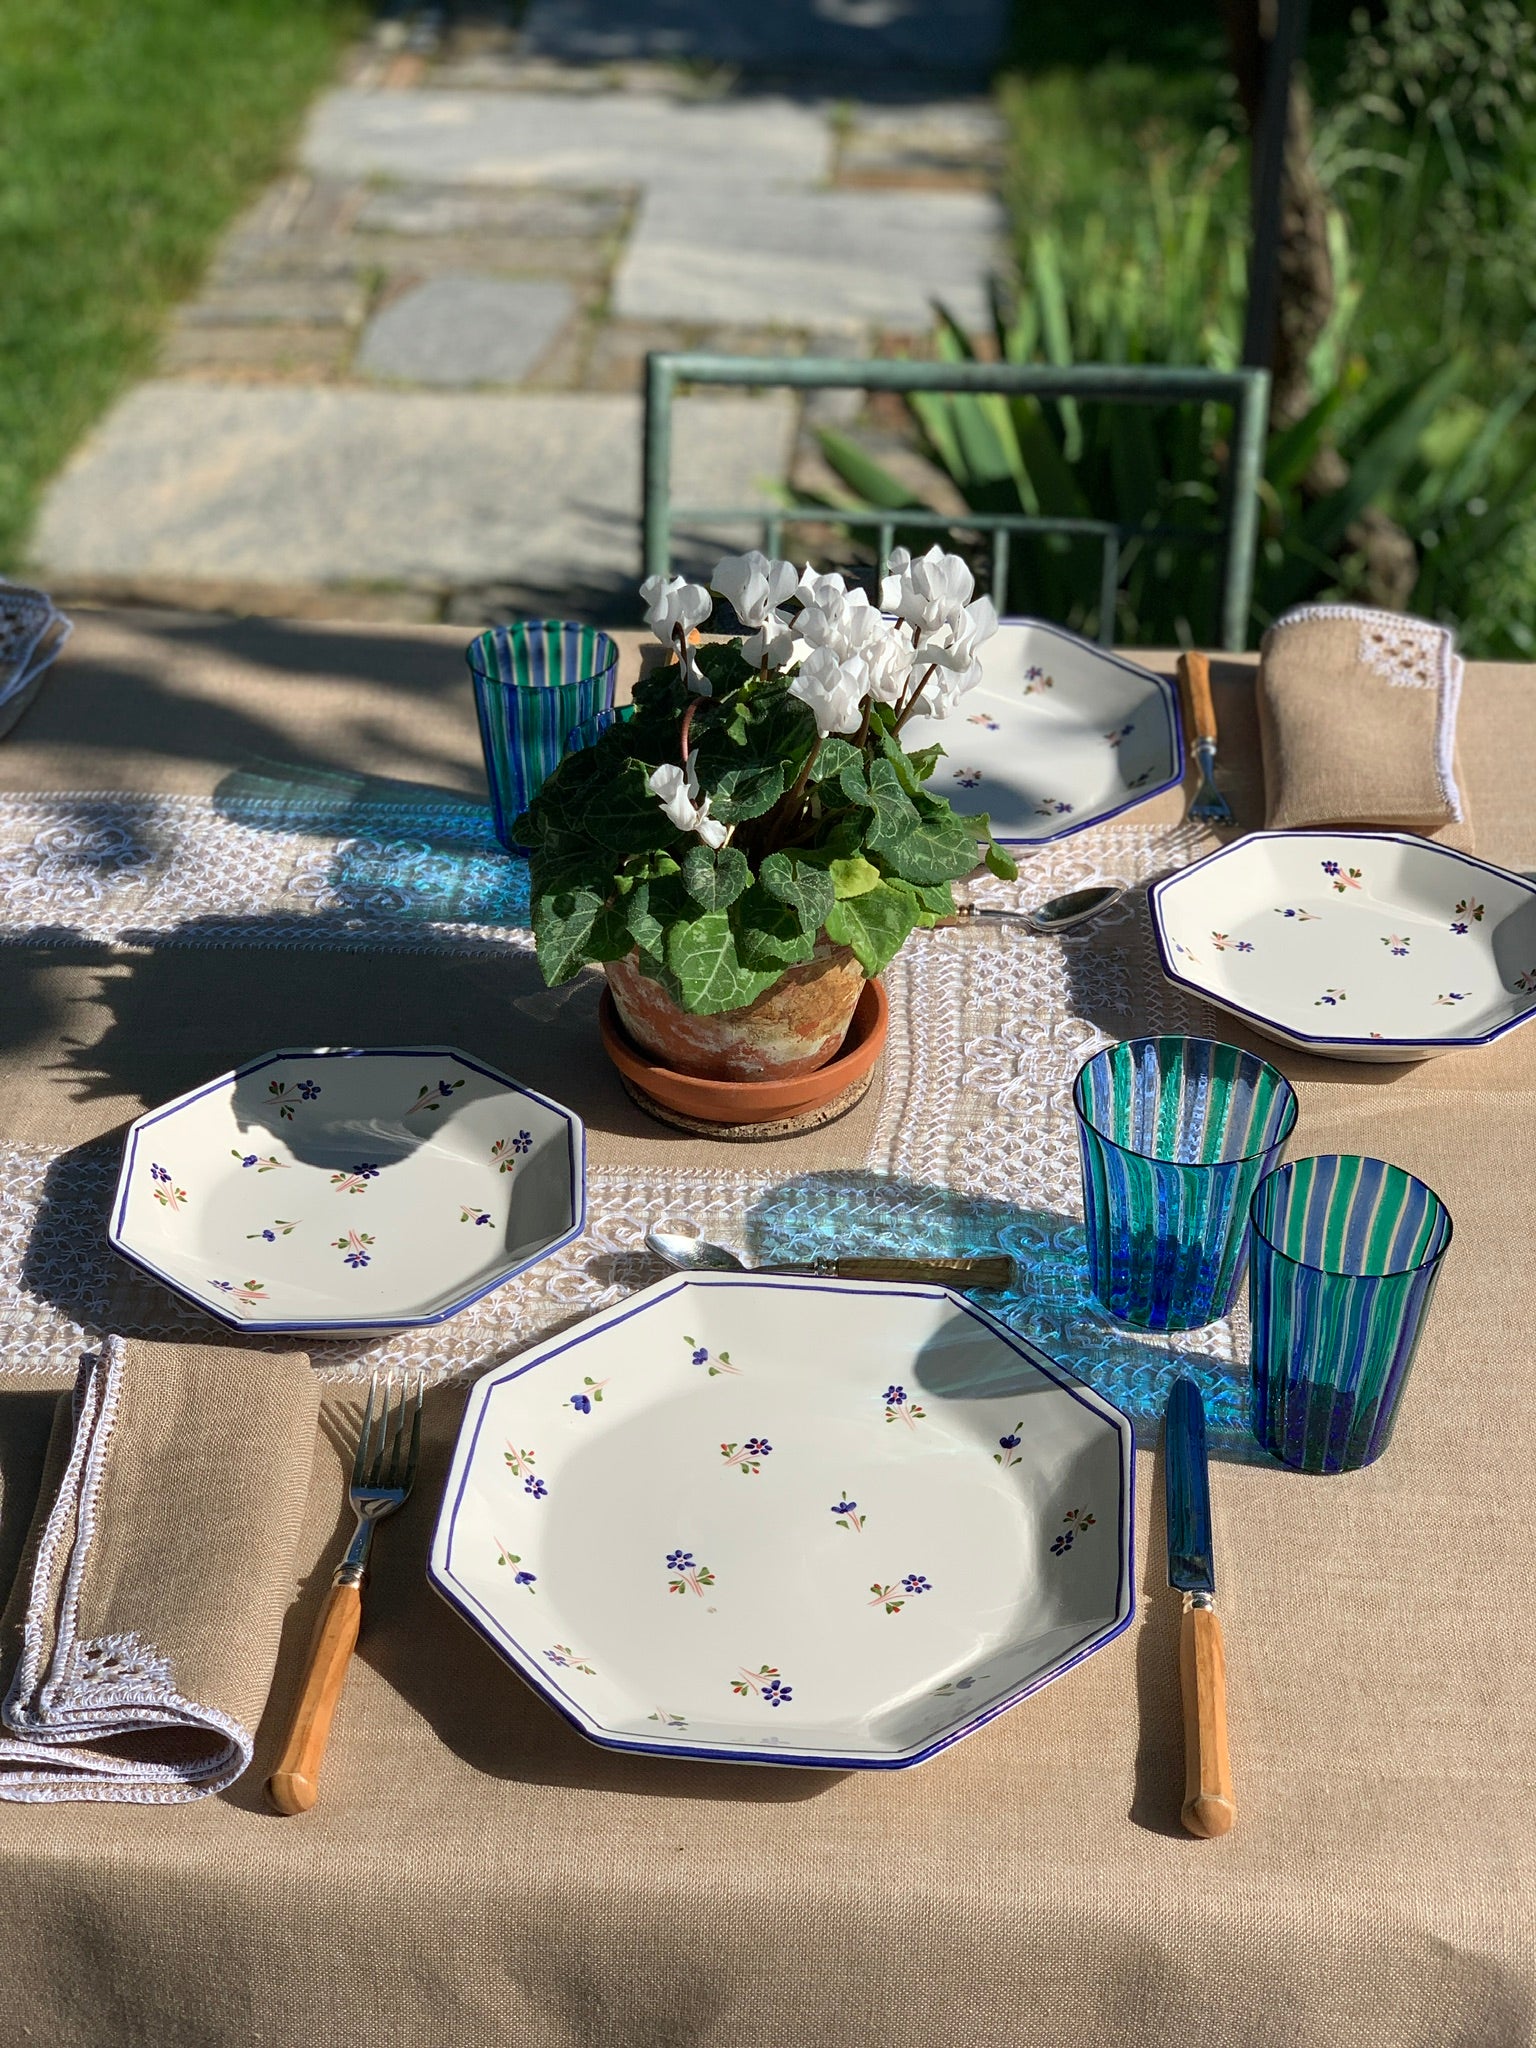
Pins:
x: 195, y: 867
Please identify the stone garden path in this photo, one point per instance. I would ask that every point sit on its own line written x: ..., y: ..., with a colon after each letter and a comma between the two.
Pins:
x: 410, y: 385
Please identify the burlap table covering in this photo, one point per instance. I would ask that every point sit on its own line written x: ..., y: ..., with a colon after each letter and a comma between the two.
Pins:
x: 477, y: 1873
x: 143, y: 1624
x: 1357, y: 709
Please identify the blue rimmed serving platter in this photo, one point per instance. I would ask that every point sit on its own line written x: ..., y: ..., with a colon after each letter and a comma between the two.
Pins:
x: 347, y: 1190
x: 1356, y: 945
x: 785, y: 1521
x: 1059, y: 734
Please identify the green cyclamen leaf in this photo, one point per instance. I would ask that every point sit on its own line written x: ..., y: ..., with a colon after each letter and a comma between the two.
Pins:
x: 940, y: 848
x: 709, y: 972
x: 1001, y: 862
x: 834, y: 756
x: 853, y: 877
x: 895, y: 813
x: 624, y: 816
x: 875, y: 925
x: 769, y: 934
x: 908, y: 772
x: 562, y: 925
x: 807, y: 889
x: 715, y: 877
x: 644, y: 927
x: 747, y: 790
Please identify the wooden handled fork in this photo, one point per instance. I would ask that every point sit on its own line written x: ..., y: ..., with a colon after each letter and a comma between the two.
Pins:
x: 1210, y: 807
x: 382, y: 1475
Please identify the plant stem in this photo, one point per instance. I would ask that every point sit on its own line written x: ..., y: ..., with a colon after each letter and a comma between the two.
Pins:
x: 784, y: 812
x: 908, y: 707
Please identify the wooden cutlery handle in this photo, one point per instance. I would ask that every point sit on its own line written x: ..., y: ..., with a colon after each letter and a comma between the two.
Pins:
x: 980, y: 1272
x: 1195, y: 675
x: 294, y: 1785
x: 1210, y: 1804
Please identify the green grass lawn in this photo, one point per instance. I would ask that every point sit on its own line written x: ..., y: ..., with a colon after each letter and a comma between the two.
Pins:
x: 130, y: 132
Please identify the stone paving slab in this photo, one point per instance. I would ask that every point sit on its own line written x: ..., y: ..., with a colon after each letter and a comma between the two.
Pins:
x: 275, y: 484
x: 810, y: 259
x: 292, y: 299
x: 302, y: 353
x: 946, y: 141
x: 430, y: 211
x: 849, y: 35
x: 465, y: 331
x: 608, y: 140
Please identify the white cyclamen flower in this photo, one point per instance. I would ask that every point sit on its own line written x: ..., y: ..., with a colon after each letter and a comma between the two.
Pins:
x: 844, y: 621
x: 950, y: 653
x: 677, y: 790
x: 954, y: 645
x: 835, y: 690
x: 931, y: 589
x: 755, y: 586
x: 888, y: 657
x: 897, y: 563
x: 814, y: 588
x: 672, y: 602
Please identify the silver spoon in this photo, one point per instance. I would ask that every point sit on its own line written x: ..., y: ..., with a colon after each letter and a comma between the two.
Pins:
x: 1060, y: 914
x: 690, y: 1254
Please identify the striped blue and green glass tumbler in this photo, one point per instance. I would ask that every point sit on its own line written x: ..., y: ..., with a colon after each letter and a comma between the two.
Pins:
x: 1346, y: 1254
x: 535, y: 683
x: 1175, y: 1135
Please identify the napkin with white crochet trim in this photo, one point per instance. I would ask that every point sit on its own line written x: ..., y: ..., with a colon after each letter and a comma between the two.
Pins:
x: 139, y: 1641
x: 1357, y: 716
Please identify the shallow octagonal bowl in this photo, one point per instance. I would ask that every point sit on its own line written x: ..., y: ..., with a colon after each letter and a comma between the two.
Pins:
x: 1356, y: 945
x: 1058, y: 735
x: 347, y: 1190
x: 784, y: 1521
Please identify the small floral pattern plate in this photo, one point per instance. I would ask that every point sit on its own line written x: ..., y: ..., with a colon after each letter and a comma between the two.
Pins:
x: 1357, y: 945
x: 1058, y: 735
x: 775, y: 1520
x: 348, y: 1191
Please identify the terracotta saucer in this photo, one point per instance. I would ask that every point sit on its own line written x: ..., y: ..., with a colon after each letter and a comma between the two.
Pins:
x: 752, y: 1102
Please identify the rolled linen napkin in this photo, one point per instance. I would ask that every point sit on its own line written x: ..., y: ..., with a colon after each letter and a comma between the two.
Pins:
x: 32, y: 632
x: 1357, y: 716
x: 139, y: 1641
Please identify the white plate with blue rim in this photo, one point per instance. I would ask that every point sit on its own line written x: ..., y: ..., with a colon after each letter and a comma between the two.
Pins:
x: 348, y: 1190
x: 1355, y: 945
x: 1059, y: 734
x: 775, y: 1520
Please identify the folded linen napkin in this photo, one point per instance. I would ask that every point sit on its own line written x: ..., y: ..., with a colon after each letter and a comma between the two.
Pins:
x: 138, y: 1645
x: 1357, y: 716
x: 32, y: 632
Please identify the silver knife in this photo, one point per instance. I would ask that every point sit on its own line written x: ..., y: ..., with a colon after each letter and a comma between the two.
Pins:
x: 1210, y: 1805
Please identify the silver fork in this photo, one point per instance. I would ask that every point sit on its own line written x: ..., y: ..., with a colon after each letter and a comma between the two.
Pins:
x: 382, y: 1475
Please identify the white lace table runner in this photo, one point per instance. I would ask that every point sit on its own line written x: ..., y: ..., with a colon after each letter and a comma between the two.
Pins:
x: 974, y: 1145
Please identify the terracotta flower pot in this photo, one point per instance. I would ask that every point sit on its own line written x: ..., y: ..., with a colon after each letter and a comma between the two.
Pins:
x: 793, y: 1028
x: 737, y: 1107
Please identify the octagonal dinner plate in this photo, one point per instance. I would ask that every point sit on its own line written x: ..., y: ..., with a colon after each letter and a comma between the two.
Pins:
x: 348, y: 1190
x: 785, y: 1521
x: 1058, y: 735
x: 1356, y: 945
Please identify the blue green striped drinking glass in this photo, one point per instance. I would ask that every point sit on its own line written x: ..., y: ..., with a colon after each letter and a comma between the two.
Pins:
x: 1346, y: 1254
x: 535, y: 682
x: 1175, y: 1135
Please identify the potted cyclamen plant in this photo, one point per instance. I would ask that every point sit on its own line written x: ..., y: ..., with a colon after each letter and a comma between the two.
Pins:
x: 753, y: 841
